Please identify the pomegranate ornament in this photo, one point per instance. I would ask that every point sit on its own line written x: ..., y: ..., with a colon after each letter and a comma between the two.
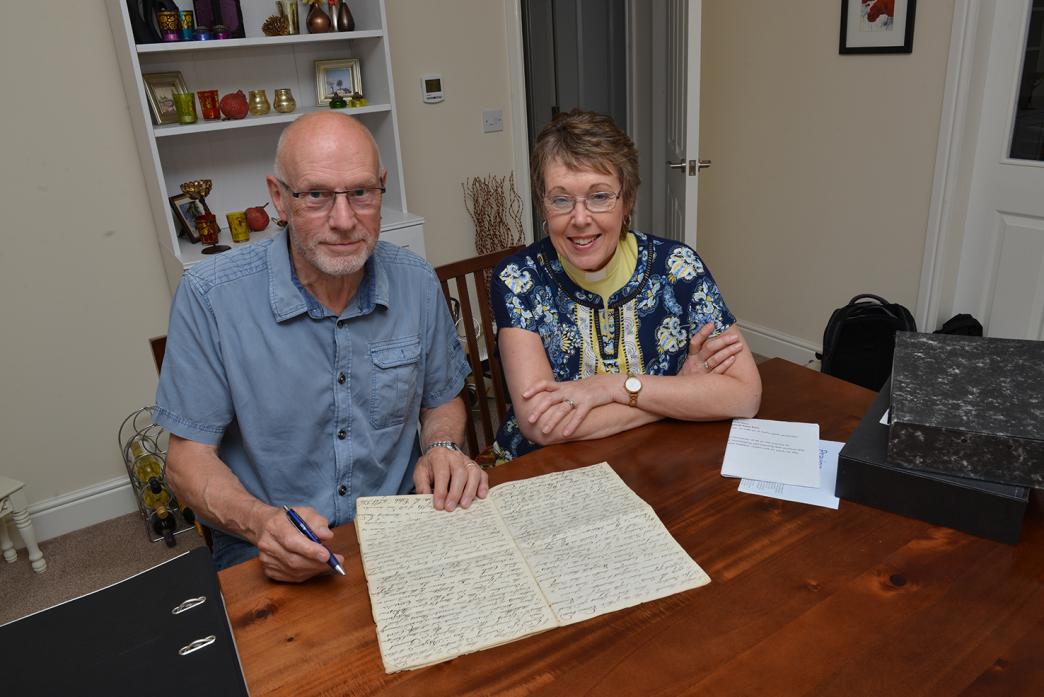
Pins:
x: 234, y: 105
x: 257, y: 218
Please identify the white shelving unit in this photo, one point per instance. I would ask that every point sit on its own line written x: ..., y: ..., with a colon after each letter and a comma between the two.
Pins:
x: 237, y: 155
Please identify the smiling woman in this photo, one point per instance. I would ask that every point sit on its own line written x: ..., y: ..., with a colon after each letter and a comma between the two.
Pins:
x: 597, y: 320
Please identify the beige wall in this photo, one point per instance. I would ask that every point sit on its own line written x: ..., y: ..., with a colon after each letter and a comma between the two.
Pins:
x: 823, y: 163
x: 443, y: 144
x: 80, y: 277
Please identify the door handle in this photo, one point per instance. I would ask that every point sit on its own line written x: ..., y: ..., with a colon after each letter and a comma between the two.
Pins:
x: 693, y: 166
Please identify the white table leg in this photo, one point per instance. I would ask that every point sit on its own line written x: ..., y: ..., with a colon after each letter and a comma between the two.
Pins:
x: 5, y: 542
x: 25, y: 529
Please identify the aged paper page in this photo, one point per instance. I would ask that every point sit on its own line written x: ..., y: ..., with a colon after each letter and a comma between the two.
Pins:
x: 593, y: 545
x: 443, y: 584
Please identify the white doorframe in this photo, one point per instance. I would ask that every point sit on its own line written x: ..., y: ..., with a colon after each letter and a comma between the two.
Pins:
x: 692, y: 111
x: 519, y: 117
x: 946, y: 209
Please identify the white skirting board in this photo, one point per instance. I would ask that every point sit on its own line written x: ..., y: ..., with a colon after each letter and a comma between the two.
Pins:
x: 775, y: 344
x: 78, y: 509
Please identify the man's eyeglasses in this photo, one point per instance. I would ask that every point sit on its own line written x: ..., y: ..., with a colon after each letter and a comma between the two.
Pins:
x: 598, y: 202
x: 362, y: 200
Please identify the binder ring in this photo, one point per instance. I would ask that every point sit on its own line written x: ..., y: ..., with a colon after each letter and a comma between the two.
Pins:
x: 197, y: 645
x: 189, y: 604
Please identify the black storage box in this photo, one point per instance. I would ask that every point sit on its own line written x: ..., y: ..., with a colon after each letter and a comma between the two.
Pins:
x: 969, y: 406
x: 982, y: 508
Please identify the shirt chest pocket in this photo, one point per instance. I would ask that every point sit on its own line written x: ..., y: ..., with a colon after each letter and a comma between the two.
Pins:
x: 396, y: 380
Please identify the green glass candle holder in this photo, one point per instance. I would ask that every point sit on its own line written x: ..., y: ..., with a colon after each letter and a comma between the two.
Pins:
x: 185, y: 105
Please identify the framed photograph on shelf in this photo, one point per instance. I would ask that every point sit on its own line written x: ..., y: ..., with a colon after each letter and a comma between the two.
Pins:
x: 185, y: 212
x: 344, y: 76
x: 877, y: 26
x: 160, y: 89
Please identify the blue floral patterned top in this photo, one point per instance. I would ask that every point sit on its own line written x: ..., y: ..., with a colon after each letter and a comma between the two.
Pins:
x: 645, y: 330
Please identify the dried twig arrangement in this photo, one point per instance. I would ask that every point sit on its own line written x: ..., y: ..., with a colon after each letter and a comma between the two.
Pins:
x: 496, y: 210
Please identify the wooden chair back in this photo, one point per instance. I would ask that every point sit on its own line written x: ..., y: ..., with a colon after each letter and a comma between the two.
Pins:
x: 158, y: 345
x: 460, y: 273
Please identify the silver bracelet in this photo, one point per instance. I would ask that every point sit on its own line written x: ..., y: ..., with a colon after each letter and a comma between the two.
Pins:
x: 448, y: 444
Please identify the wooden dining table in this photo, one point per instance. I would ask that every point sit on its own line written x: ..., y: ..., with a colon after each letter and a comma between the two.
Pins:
x: 803, y: 600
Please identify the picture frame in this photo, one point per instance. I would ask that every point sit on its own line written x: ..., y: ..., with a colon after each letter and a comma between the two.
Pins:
x: 185, y: 213
x: 344, y: 74
x: 867, y: 26
x: 160, y: 89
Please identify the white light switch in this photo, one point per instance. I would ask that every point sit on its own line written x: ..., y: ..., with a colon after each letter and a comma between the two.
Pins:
x: 492, y: 120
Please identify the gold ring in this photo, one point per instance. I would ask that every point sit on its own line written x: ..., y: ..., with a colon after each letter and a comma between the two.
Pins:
x: 470, y: 465
x: 571, y: 403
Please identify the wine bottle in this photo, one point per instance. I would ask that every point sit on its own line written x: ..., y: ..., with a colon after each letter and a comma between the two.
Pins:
x: 145, y: 464
x: 190, y: 517
x: 164, y: 524
x: 155, y: 495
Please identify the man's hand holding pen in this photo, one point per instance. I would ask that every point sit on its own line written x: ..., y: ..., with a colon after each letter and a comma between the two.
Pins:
x: 287, y: 554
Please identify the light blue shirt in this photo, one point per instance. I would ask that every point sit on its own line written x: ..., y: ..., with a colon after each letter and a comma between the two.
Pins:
x: 309, y: 408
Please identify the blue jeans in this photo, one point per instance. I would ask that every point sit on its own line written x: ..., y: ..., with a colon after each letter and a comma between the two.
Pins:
x: 230, y: 550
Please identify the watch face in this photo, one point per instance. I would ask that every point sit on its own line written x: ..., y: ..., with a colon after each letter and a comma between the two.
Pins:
x: 632, y: 384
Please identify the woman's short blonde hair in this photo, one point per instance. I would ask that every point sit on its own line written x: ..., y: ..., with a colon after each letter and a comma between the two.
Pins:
x: 585, y: 140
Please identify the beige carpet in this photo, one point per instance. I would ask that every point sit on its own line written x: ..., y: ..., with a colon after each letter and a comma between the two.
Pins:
x: 81, y: 562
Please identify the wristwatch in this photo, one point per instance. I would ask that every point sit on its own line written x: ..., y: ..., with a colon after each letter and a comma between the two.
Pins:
x: 633, y: 386
x: 448, y: 444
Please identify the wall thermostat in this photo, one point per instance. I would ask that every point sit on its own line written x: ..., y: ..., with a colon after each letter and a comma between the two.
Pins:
x: 431, y: 89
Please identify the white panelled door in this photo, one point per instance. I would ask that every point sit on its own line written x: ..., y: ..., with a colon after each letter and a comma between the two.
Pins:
x: 683, y: 118
x: 1001, y: 274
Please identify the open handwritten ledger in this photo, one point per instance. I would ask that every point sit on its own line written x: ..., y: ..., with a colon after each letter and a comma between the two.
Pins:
x: 535, y: 554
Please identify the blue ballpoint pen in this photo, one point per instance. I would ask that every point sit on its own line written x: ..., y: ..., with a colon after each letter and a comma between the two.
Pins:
x: 307, y: 532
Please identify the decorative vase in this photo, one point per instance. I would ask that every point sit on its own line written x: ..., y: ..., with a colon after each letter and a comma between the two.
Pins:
x: 289, y: 8
x: 284, y: 101
x: 168, y: 24
x: 345, y: 21
x: 208, y: 104
x: 318, y: 22
x: 258, y: 102
x: 185, y: 105
x: 338, y: 102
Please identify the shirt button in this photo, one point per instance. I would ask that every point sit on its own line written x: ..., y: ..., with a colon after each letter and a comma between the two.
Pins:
x: 342, y: 434
x: 342, y: 490
x: 341, y: 378
x: 340, y: 323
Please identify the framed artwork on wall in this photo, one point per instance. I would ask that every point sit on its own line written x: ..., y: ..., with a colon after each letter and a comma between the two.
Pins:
x: 343, y: 76
x: 877, y: 26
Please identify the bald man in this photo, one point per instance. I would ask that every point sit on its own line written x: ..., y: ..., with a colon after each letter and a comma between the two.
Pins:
x: 297, y: 369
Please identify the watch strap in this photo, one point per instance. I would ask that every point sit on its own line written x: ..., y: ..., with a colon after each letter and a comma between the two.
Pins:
x: 448, y: 444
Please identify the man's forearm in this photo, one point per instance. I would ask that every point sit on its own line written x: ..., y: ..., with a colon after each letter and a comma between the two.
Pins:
x: 200, y: 480
x: 445, y: 422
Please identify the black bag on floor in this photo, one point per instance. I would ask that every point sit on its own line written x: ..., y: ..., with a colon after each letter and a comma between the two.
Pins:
x: 962, y: 324
x: 859, y: 340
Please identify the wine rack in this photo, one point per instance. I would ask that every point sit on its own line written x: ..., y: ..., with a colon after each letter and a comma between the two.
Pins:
x: 143, y: 446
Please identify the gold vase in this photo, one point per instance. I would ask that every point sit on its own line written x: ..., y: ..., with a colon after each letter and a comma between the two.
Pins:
x: 284, y: 101
x: 258, y: 102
